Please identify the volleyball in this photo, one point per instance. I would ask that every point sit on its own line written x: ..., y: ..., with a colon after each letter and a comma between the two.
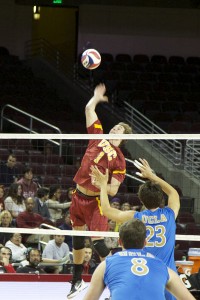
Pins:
x: 91, y: 59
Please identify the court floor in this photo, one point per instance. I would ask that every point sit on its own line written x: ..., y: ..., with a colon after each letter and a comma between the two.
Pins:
x: 41, y: 291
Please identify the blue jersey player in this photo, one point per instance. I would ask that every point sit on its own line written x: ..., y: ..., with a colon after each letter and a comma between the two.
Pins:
x: 159, y: 221
x: 134, y: 273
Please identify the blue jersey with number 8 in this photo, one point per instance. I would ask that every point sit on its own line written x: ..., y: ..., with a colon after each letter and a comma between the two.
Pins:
x: 135, y: 275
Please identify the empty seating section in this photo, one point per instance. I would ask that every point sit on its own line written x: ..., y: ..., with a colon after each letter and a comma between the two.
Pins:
x: 21, y: 88
x: 173, y: 82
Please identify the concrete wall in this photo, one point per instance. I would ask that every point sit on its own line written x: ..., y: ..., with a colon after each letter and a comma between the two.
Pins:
x: 15, y: 26
x: 140, y: 30
x: 112, y: 29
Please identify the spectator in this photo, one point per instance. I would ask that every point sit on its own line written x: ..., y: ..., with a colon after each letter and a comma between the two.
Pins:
x: 69, y: 194
x: 88, y: 241
x: 115, y: 202
x: 40, y: 203
x: 2, y: 192
x: 89, y: 265
x: 14, y: 202
x: 111, y: 242
x: 67, y: 225
x: 18, y: 249
x: 5, y: 221
x: 34, y: 258
x: 56, y: 249
x: 111, y: 225
x: 5, y: 258
x: 53, y: 203
x: 29, y: 219
x: 8, y: 171
x: 125, y: 206
x: 29, y: 187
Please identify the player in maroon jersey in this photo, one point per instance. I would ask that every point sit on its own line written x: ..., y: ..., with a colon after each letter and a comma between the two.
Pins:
x: 85, y: 208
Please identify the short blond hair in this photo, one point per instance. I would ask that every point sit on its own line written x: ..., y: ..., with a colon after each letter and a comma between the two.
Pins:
x: 127, y: 130
x: 3, y: 213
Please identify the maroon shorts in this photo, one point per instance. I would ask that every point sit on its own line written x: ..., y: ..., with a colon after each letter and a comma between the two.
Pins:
x: 87, y: 210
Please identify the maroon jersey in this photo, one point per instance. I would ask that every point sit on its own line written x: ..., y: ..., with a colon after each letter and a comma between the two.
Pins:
x: 102, y: 154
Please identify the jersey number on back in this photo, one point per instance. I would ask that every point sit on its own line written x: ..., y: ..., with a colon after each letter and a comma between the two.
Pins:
x: 159, y: 232
x: 139, y: 266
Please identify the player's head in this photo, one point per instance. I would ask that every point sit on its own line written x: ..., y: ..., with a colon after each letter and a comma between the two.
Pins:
x: 16, y: 238
x: 34, y: 257
x: 55, y: 191
x: 5, y: 218
x: 150, y: 194
x: 121, y: 128
x: 115, y: 202
x: 11, y: 161
x: 88, y: 253
x: 28, y: 173
x: 29, y: 203
x: 5, y: 252
x: 43, y: 193
x: 59, y: 240
x: 132, y: 234
x: 127, y: 128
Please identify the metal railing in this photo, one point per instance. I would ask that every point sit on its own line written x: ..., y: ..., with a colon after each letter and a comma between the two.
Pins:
x: 192, y: 157
x: 6, y: 115
x: 170, y: 149
x: 42, y: 48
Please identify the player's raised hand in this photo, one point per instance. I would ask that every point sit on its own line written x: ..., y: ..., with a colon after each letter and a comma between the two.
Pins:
x: 97, y: 177
x: 144, y: 167
x: 99, y: 92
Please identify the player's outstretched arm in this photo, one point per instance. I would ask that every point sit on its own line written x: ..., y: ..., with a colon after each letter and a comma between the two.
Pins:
x: 96, y: 286
x: 177, y: 288
x: 99, y: 96
x: 100, y: 180
x: 147, y: 172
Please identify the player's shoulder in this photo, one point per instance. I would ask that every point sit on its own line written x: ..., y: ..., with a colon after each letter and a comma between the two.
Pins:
x: 95, y: 126
x: 167, y: 210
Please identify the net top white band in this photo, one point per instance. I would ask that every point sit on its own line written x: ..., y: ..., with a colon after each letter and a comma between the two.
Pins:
x: 179, y: 237
x: 57, y: 136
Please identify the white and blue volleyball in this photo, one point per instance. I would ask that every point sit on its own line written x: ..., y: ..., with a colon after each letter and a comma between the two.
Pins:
x: 91, y: 59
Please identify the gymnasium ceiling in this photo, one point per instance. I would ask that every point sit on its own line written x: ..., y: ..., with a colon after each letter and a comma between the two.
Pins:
x: 185, y: 4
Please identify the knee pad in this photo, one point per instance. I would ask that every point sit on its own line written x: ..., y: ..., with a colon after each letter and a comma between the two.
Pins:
x: 101, y: 248
x: 78, y: 242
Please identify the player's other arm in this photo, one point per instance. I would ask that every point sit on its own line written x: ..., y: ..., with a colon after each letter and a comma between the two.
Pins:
x: 99, y: 96
x: 112, y: 188
x: 173, y: 196
x: 177, y: 288
x: 96, y: 286
x: 108, y: 211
